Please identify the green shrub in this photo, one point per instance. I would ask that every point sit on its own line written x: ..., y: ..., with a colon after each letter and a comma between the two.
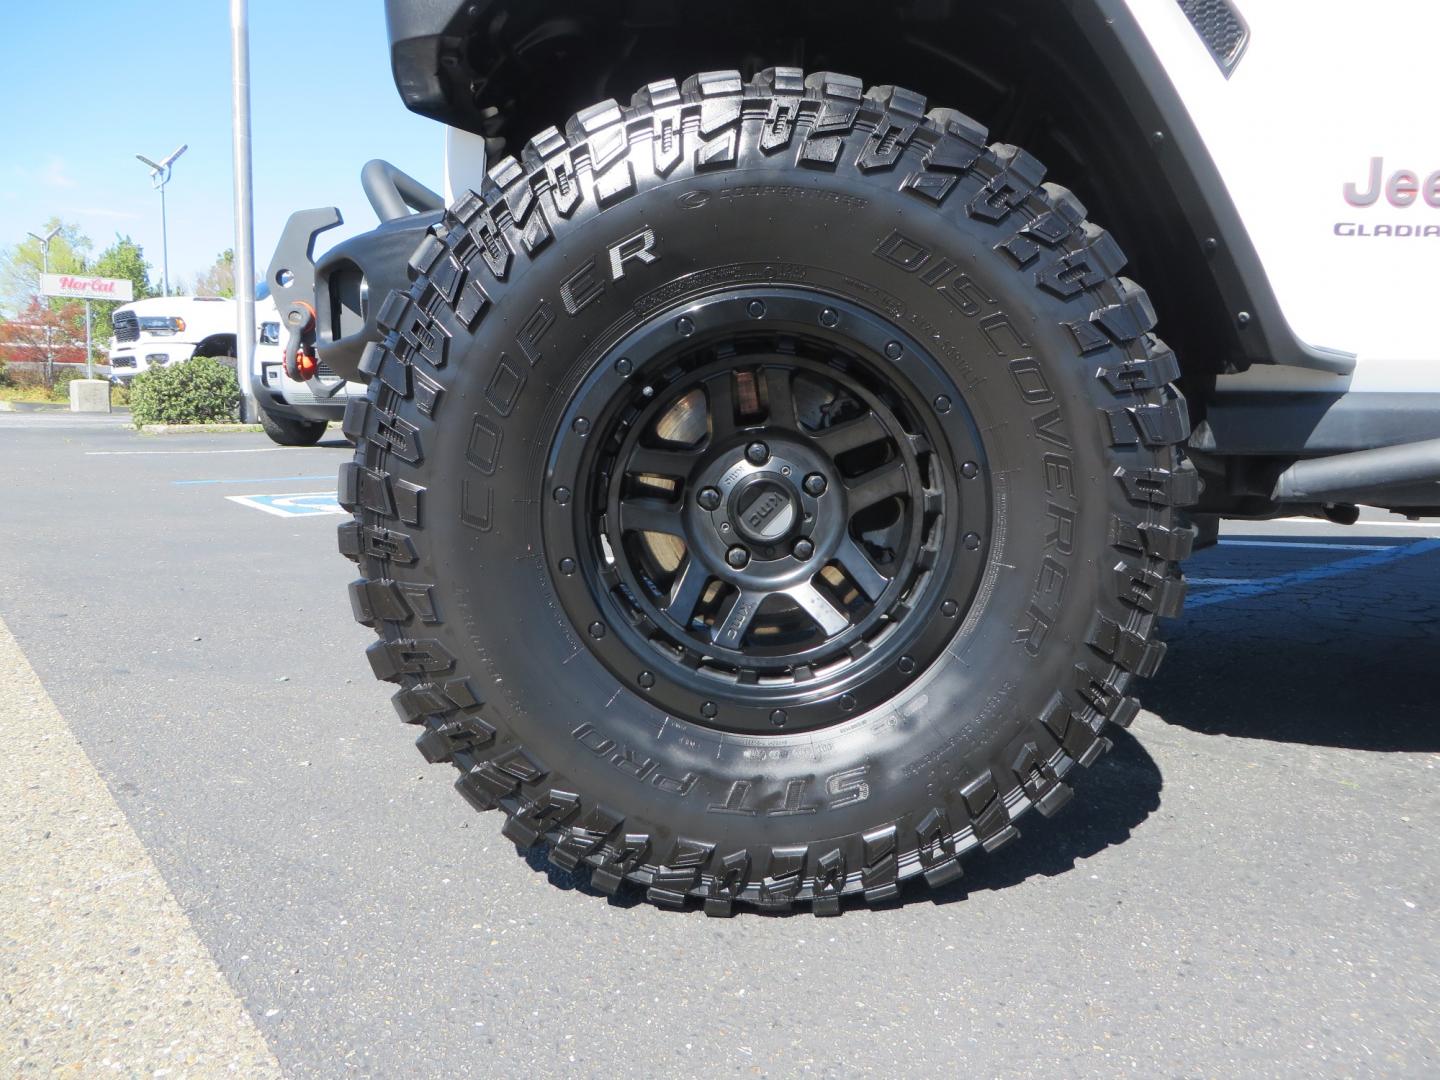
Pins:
x: 5, y: 376
x: 61, y: 390
x: 119, y: 394
x: 198, y: 391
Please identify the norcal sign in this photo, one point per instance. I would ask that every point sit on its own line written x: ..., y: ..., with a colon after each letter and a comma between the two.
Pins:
x: 88, y: 288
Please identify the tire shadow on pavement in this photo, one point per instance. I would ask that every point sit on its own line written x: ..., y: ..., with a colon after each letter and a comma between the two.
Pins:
x: 1356, y: 673
x: 1112, y: 798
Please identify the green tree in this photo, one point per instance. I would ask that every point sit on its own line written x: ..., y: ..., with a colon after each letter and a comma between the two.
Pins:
x: 122, y: 259
x: 219, y: 280
x: 22, y: 265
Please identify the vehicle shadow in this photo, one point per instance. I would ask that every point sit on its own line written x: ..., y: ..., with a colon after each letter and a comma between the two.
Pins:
x: 1112, y: 798
x: 1355, y: 671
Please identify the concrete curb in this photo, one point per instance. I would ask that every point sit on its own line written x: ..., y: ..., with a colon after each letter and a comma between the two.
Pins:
x: 193, y: 429
x: 103, y: 971
x: 34, y: 406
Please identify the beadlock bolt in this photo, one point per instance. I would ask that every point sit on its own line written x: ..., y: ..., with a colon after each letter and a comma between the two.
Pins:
x: 597, y: 630
x: 708, y: 710
x: 562, y: 495
x: 685, y: 326
x: 623, y: 366
x: 778, y: 718
x: 829, y: 317
x: 893, y: 350
x: 567, y: 565
x: 755, y: 309
x: 646, y: 680
x: 969, y: 470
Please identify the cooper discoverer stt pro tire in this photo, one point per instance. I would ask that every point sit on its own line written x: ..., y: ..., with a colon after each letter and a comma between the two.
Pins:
x: 766, y: 492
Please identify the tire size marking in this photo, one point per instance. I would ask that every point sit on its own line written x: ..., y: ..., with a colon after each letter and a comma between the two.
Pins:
x: 757, y: 797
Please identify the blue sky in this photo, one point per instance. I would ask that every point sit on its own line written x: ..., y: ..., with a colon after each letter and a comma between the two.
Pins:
x: 88, y: 84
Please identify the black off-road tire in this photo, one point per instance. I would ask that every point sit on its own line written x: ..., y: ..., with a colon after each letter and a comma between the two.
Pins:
x: 288, y: 431
x: 817, y: 196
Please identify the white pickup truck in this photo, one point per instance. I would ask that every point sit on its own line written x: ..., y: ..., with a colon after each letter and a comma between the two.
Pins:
x: 166, y: 330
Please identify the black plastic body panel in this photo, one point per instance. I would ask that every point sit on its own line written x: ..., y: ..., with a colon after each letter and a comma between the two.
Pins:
x: 1272, y: 423
x: 469, y: 63
x: 352, y: 281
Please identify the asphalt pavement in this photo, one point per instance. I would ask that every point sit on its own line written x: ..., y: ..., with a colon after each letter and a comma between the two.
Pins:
x: 1245, y: 886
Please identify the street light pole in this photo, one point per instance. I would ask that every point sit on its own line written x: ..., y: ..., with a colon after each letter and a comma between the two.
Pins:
x: 244, y: 203
x: 159, y: 177
x: 45, y: 269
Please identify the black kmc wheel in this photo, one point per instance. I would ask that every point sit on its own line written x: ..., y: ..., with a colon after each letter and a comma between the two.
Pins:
x: 766, y: 492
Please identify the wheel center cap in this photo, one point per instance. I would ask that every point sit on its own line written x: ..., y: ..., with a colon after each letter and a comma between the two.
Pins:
x: 765, y: 510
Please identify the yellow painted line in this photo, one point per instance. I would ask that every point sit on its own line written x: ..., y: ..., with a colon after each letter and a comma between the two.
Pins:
x: 101, y: 972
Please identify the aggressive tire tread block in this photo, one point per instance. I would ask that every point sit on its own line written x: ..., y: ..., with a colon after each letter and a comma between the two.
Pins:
x: 818, y: 123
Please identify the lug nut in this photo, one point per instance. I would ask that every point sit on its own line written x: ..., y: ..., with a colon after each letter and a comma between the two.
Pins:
x: 709, y: 498
x: 803, y: 549
x: 815, y: 484
x: 757, y: 453
x: 737, y: 557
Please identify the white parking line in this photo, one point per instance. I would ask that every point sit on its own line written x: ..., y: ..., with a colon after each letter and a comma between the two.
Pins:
x: 1315, y: 545
x: 1361, y: 524
x: 131, y: 453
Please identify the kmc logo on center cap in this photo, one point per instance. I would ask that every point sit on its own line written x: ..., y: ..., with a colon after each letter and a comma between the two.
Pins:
x: 765, y: 511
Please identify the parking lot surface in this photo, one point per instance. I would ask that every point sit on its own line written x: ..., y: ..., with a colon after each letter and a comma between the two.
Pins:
x: 1245, y: 886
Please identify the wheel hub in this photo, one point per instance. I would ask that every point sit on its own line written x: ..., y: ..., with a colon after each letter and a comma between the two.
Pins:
x: 767, y: 515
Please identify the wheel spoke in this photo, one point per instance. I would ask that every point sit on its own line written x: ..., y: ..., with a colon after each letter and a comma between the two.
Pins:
x: 857, y: 564
x: 877, y: 484
x: 850, y: 435
x: 782, y: 397
x: 670, y: 461
x: 720, y: 397
x: 830, y: 618
x: 650, y: 515
x: 735, y: 617
x: 686, y: 590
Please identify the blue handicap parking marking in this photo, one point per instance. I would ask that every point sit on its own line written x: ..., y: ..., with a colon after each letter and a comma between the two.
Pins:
x: 1222, y: 590
x: 300, y: 504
